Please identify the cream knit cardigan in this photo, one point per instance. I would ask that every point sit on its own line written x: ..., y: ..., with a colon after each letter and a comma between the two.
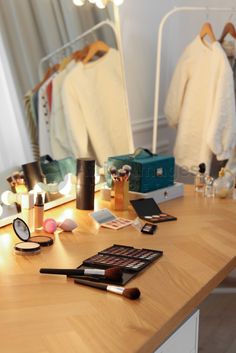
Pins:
x: 201, y: 104
x: 96, y: 115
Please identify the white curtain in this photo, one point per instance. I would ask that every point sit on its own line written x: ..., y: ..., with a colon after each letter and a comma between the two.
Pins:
x: 30, y: 29
x: 15, y: 147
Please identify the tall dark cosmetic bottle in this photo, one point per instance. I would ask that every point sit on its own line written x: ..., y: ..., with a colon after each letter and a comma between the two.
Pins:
x: 85, y: 184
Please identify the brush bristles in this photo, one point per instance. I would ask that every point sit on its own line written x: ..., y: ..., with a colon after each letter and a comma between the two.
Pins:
x: 131, y: 293
x: 114, y: 273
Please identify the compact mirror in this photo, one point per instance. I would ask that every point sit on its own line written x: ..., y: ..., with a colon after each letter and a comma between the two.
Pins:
x: 21, y: 229
x: 29, y: 246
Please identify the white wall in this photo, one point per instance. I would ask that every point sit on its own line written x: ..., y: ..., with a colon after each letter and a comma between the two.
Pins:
x: 139, y: 20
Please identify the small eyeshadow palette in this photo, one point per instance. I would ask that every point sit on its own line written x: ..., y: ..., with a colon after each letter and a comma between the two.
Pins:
x: 108, y: 220
x: 149, y: 228
x: 148, y: 210
x: 126, y: 257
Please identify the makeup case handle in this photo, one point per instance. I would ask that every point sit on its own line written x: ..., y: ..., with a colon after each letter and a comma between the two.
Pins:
x: 141, y: 153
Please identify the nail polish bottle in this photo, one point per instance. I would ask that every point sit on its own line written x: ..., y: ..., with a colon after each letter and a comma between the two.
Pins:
x: 38, y: 211
x: 200, y: 178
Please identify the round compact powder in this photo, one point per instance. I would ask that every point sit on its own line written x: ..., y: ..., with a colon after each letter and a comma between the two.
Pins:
x: 42, y: 240
x: 27, y: 248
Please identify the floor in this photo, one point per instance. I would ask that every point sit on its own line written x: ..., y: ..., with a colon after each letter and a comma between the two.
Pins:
x: 217, y: 328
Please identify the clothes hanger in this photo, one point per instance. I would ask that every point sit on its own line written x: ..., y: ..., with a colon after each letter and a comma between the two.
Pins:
x: 207, y: 30
x: 95, y: 49
x: 64, y: 62
x: 79, y: 55
x: 50, y: 71
x: 228, y: 29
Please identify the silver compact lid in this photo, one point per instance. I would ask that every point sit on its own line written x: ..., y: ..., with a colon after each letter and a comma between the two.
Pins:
x: 21, y: 229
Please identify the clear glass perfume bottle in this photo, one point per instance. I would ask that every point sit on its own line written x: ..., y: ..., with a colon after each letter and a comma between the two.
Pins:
x: 208, y: 188
x: 200, y: 178
x: 224, y: 184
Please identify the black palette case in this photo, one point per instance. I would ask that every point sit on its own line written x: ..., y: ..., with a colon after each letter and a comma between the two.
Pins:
x: 129, y: 259
x: 148, y: 210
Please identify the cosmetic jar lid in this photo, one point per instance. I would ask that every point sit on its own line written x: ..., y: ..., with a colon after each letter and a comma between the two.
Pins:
x: 42, y: 240
x: 27, y: 248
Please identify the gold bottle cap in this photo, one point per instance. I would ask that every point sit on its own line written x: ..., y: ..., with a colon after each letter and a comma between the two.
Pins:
x: 222, y: 172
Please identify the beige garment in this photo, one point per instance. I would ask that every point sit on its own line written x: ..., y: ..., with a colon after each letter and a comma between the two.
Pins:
x: 95, y: 109
x: 31, y: 124
x: 201, y: 104
x: 58, y: 133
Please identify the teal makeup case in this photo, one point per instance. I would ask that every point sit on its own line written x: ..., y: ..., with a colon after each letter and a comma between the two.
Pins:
x: 149, y: 171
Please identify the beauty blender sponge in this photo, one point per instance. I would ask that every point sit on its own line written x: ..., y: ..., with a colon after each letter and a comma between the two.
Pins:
x: 67, y: 225
x: 49, y: 225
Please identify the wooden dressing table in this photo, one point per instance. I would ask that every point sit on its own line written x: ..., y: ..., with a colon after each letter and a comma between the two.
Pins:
x: 50, y: 314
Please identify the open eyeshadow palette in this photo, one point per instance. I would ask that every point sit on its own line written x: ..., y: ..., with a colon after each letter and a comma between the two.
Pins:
x: 148, y: 210
x: 129, y: 259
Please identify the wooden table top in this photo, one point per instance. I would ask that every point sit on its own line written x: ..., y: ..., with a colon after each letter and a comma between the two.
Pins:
x: 50, y: 314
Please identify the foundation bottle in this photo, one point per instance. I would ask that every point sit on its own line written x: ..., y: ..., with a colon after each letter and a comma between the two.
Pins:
x: 38, y: 211
x: 200, y: 178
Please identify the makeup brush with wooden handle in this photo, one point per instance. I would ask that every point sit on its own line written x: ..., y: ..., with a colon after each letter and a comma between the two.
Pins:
x: 113, y: 273
x: 130, y: 293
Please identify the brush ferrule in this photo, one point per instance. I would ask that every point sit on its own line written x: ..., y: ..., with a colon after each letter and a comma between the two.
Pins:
x: 115, y: 289
x: 94, y: 271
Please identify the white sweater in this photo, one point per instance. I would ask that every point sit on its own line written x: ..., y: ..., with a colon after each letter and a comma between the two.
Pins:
x: 96, y: 115
x: 58, y: 133
x: 201, y: 104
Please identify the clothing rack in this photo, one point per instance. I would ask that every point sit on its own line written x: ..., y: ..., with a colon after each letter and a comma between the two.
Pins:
x: 158, y: 58
x: 60, y: 52
x: 116, y: 30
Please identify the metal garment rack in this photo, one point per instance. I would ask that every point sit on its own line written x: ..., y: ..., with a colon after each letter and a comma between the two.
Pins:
x: 158, y: 58
x: 62, y: 51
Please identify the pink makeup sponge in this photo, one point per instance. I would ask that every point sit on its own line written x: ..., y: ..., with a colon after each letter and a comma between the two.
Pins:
x: 49, y: 225
x: 67, y: 225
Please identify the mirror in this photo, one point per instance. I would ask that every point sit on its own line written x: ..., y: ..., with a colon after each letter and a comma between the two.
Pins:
x: 100, y: 126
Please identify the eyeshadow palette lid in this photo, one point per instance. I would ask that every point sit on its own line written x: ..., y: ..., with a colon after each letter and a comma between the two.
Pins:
x: 103, y: 216
x: 21, y: 229
x: 42, y: 240
x: 145, y: 207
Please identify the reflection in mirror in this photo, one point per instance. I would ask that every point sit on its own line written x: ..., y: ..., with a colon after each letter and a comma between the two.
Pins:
x: 76, y: 107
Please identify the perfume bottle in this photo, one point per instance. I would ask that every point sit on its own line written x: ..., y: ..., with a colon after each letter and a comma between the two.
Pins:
x: 200, y: 178
x: 224, y: 184
x: 208, y: 188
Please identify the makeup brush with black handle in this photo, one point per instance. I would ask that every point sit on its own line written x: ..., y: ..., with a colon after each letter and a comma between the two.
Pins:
x: 113, y: 273
x: 130, y: 293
